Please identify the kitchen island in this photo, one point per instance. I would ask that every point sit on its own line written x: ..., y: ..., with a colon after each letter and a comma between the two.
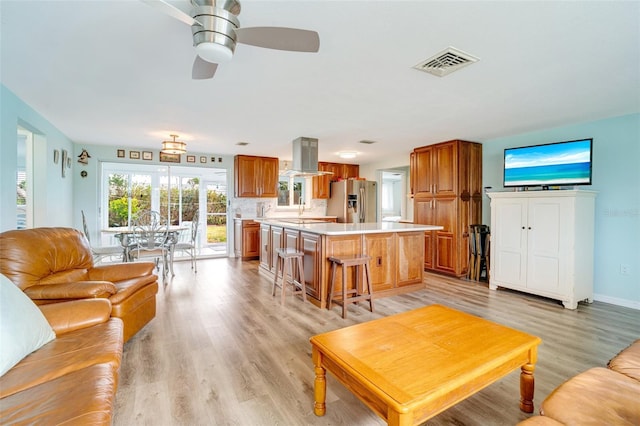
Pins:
x: 396, y: 251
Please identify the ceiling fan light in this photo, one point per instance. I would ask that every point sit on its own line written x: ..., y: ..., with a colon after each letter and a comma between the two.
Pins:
x: 174, y: 146
x: 214, y: 52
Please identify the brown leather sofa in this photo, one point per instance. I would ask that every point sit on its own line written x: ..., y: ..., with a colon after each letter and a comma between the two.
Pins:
x: 598, y: 396
x: 72, y: 379
x: 55, y: 264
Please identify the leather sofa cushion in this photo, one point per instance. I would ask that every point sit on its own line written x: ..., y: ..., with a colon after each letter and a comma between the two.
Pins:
x: 598, y: 396
x: 71, y: 256
x: 81, y: 397
x: 628, y: 361
x: 98, y: 344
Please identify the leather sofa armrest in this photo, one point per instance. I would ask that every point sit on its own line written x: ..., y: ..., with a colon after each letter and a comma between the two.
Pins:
x: 65, y: 317
x: 73, y: 290
x: 121, y: 271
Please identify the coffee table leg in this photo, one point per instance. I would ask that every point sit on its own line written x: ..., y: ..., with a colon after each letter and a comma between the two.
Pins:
x: 526, y: 388
x: 320, y: 384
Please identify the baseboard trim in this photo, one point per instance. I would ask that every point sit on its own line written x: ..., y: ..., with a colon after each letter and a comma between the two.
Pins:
x: 617, y: 301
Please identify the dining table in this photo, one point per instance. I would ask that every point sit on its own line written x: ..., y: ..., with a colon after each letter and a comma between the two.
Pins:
x: 123, y: 235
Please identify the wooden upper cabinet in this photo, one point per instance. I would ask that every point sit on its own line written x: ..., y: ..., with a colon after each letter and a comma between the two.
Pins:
x: 435, y: 169
x: 256, y: 176
x: 322, y: 184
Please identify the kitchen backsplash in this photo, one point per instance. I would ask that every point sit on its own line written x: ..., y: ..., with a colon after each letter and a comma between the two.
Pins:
x: 251, y: 208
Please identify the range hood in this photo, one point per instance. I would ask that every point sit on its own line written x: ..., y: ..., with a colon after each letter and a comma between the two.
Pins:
x: 305, y: 158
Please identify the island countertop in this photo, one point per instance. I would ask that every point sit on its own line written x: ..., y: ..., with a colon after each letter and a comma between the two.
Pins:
x: 330, y: 228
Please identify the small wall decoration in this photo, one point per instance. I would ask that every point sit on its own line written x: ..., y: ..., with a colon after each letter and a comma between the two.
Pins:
x: 64, y: 162
x: 213, y: 159
x: 191, y: 158
x: 83, y: 158
x: 219, y: 159
x: 83, y: 173
x: 169, y: 158
x: 134, y: 155
x: 203, y: 159
x: 56, y: 156
x: 121, y: 153
x: 147, y: 155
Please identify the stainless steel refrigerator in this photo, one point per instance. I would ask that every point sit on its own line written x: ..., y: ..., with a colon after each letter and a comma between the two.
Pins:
x: 353, y: 201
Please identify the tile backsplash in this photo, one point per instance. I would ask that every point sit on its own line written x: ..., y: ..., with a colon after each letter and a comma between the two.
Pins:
x: 252, y: 207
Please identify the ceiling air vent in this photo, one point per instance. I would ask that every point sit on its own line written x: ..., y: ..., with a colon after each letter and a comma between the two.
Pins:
x: 446, y: 62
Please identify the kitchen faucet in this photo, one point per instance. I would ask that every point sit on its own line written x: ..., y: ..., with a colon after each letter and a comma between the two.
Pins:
x: 300, y: 208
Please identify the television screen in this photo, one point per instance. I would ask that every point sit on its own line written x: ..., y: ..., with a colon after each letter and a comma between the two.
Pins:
x: 554, y: 164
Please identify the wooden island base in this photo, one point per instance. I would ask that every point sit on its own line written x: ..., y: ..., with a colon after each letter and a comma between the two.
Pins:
x: 396, y: 251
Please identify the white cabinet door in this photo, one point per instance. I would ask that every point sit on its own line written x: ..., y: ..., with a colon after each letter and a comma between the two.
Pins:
x: 544, y: 232
x: 509, y: 241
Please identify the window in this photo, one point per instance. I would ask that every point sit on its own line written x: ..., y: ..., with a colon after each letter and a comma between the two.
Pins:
x: 292, y: 191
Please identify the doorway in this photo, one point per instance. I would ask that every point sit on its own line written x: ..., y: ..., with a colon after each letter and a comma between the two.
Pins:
x: 393, y: 195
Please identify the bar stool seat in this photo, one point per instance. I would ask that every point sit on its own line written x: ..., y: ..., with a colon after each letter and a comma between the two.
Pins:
x: 286, y: 257
x: 353, y: 295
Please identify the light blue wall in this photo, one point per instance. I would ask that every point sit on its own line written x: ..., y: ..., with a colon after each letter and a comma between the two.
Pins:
x: 53, y: 191
x: 616, y: 177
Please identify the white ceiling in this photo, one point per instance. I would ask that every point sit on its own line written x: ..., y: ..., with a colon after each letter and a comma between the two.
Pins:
x: 119, y: 73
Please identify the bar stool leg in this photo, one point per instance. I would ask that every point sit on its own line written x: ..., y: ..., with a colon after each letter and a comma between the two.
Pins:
x: 369, y: 288
x: 331, y: 284
x: 303, y: 285
x: 275, y: 278
x: 287, y: 265
x: 344, y: 291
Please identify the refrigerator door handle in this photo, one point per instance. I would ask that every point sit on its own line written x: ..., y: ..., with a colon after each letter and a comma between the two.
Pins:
x: 363, y: 204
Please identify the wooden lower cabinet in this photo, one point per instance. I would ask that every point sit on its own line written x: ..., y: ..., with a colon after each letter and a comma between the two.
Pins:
x: 265, y: 246
x: 381, y: 249
x: 246, y: 239
x: 311, y: 245
x: 409, y: 256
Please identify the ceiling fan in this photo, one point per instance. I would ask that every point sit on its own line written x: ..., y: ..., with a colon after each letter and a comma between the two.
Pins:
x: 216, y: 30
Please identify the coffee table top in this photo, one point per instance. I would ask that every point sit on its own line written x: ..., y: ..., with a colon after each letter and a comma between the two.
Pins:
x: 428, y: 355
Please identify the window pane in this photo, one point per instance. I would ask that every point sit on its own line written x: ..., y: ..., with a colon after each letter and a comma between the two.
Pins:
x: 140, y: 194
x: 189, y: 198
x: 298, y: 190
x: 283, y: 191
x: 118, y: 200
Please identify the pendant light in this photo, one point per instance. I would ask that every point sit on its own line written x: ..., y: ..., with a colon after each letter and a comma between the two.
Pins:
x: 174, y: 146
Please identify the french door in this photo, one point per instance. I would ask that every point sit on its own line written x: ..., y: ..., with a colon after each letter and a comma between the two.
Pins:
x: 180, y: 194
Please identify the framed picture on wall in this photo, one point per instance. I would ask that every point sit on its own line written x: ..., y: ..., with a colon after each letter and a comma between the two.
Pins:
x: 169, y: 158
x: 134, y: 155
x: 191, y: 158
x: 120, y: 153
x: 147, y: 155
x: 203, y: 159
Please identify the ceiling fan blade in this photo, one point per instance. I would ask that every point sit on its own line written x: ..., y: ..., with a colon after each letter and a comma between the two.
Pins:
x: 172, y: 11
x: 280, y: 38
x: 202, y: 69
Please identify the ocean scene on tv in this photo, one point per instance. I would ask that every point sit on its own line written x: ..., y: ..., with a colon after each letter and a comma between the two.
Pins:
x: 565, y: 163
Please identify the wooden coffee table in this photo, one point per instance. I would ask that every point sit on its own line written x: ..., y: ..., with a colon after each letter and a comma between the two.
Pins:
x: 411, y: 366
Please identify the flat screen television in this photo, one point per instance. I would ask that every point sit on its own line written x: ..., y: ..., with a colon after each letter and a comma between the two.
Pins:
x: 553, y: 164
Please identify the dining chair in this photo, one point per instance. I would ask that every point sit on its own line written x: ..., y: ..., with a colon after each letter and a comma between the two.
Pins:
x: 190, y: 245
x: 100, y: 252
x: 150, y: 239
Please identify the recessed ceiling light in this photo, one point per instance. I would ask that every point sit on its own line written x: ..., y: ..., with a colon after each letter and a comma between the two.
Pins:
x: 242, y: 143
x: 347, y: 154
x: 367, y: 142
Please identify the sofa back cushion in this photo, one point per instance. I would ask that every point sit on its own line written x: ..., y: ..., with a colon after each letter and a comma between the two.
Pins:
x: 44, y: 255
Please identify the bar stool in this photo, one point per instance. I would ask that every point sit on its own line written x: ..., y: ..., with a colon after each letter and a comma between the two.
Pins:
x: 353, y: 295
x: 286, y: 256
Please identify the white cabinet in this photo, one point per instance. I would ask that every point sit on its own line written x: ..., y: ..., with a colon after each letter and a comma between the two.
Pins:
x: 542, y: 243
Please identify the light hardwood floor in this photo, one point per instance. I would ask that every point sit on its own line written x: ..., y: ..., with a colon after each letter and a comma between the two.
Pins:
x: 222, y: 351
